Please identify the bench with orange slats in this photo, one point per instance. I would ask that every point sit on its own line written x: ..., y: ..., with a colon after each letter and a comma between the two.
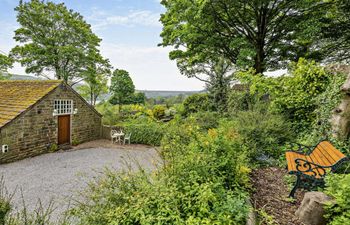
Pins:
x: 311, y: 167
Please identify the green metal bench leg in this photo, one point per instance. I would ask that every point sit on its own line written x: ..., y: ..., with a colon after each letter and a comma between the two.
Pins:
x: 297, y: 183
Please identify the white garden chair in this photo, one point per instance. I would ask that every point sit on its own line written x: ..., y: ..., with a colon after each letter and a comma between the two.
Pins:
x: 127, y: 138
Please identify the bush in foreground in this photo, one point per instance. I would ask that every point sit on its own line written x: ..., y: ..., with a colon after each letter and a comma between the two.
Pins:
x: 338, y: 187
x: 203, y: 181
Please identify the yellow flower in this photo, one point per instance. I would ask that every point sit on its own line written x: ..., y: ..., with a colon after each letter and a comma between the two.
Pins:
x: 212, y: 133
x: 244, y: 170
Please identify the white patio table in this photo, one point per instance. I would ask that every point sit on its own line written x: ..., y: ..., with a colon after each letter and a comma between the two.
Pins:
x: 118, y: 136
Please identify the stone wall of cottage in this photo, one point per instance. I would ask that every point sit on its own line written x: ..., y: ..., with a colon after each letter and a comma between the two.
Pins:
x: 35, y: 132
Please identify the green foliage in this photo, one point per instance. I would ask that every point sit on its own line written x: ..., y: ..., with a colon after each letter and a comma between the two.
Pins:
x: 145, y: 131
x: 138, y: 98
x: 203, y: 182
x: 218, y: 84
x: 196, y: 103
x: 109, y: 112
x: 325, y: 103
x: 95, y: 79
x: 5, y: 63
x: 216, y: 73
x: 158, y: 112
x: 205, y: 120
x: 122, y: 87
x: 238, y: 101
x: 338, y: 187
x: 54, y: 39
x: 75, y: 142
x: 297, y: 96
x: 5, y: 206
x: 249, y: 35
x: 336, y: 34
x: 53, y: 148
x: 262, y: 132
x: 169, y: 101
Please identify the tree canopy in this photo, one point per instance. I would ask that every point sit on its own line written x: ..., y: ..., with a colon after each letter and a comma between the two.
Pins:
x: 263, y: 34
x: 122, y: 87
x: 95, y: 78
x: 337, y: 32
x: 5, y: 63
x: 54, y: 40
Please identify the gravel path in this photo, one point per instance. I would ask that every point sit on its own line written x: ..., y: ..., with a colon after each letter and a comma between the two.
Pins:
x: 59, y: 176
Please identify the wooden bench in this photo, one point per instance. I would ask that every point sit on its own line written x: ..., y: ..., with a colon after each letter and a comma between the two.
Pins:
x: 311, y: 164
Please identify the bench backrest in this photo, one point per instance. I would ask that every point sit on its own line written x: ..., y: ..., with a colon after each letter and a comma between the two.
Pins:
x: 325, y: 154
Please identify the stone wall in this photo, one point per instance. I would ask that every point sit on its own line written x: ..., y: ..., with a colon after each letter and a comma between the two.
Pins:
x: 35, y: 131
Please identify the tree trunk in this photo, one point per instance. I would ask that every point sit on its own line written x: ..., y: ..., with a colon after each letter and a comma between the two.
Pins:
x: 259, y: 65
x: 91, y: 98
x: 120, y: 104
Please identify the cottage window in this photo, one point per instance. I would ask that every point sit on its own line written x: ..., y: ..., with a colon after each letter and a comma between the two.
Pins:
x: 62, y: 107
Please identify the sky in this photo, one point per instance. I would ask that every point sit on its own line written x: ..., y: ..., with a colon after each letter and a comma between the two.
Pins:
x: 130, y: 34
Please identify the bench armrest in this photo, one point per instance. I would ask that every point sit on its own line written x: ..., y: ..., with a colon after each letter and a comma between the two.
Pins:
x: 305, y: 166
x: 299, y: 148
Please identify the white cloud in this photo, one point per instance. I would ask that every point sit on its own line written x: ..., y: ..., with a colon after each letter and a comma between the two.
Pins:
x: 102, y: 20
x: 149, y: 67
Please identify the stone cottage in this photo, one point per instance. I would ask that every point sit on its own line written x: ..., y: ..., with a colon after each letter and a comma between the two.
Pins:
x: 40, y: 116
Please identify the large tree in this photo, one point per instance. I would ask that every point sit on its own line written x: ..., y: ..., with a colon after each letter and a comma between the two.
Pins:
x: 53, y: 40
x: 264, y: 34
x: 122, y: 87
x: 95, y: 79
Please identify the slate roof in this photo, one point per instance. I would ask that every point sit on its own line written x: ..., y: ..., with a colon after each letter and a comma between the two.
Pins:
x: 17, y: 96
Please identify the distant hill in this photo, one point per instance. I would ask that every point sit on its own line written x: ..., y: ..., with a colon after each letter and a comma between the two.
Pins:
x: 155, y: 94
x: 23, y: 77
x: 148, y: 93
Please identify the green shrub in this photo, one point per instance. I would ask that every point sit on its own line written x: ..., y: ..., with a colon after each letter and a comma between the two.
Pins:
x: 158, y: 112
x: 262, y: 132
x: 141, y: 199
x: 238, y: 101
x: 109, y: 112
x: 213, y: 154
x: 196, y: 103
x: 297, y: 93
x: 205, y: 120
x: 145, y: 131
x: 75, y: 142
x: 203, y: 181
x: 338, y: 187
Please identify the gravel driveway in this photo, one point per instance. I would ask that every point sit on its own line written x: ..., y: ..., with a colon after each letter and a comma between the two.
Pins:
x: 59, y: 176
